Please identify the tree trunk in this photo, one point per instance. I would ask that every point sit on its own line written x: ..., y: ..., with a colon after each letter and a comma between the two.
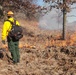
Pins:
x: 64, y: 25
x: 64, y: 22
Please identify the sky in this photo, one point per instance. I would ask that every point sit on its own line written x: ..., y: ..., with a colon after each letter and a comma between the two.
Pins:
x: 40, y: 2
x: 51, y: 20
x: 70, y: 16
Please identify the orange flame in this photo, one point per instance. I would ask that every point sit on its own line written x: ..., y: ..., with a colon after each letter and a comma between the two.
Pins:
x: 70, y: 41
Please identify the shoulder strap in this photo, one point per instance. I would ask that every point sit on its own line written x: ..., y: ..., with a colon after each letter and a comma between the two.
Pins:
x: 13, y: 23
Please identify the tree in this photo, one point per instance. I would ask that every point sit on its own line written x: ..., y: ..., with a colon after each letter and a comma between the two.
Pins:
x: 64, y: 5
x: 25, y: 6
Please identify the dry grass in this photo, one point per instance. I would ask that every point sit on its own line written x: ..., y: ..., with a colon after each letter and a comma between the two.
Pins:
x: 39, y: 54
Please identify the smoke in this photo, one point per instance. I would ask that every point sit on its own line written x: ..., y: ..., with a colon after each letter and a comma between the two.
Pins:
x: 52, y: 20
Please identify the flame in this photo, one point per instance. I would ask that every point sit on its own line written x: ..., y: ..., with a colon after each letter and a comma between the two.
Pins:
x: 21, y: 45
x: 70, y: 41
x: 5, y: 47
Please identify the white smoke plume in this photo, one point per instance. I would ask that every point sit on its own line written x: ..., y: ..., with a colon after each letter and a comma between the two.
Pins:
x: 52, y: 20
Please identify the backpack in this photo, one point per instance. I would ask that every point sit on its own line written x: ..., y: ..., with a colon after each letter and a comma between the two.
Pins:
x: 16, y: 31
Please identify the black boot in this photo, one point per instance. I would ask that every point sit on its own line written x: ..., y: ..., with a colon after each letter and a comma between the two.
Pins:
x: 18, y: 60
x: 14, y: 62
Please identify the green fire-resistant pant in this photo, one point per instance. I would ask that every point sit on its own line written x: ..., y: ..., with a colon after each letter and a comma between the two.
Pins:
x: 14, y: 49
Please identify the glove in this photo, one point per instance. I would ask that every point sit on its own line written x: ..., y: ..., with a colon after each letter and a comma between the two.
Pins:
x: 3, y: 41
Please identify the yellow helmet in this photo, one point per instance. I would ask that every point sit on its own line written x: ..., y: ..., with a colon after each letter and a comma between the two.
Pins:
x: 10, y: 13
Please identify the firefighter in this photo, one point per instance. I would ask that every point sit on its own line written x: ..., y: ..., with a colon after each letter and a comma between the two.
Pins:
x: 13, y: 45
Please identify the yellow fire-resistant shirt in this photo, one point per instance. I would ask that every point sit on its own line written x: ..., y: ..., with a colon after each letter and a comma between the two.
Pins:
x: 7, y: 27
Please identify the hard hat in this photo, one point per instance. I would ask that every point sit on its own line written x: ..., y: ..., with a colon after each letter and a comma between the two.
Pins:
x: 10, y: 13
